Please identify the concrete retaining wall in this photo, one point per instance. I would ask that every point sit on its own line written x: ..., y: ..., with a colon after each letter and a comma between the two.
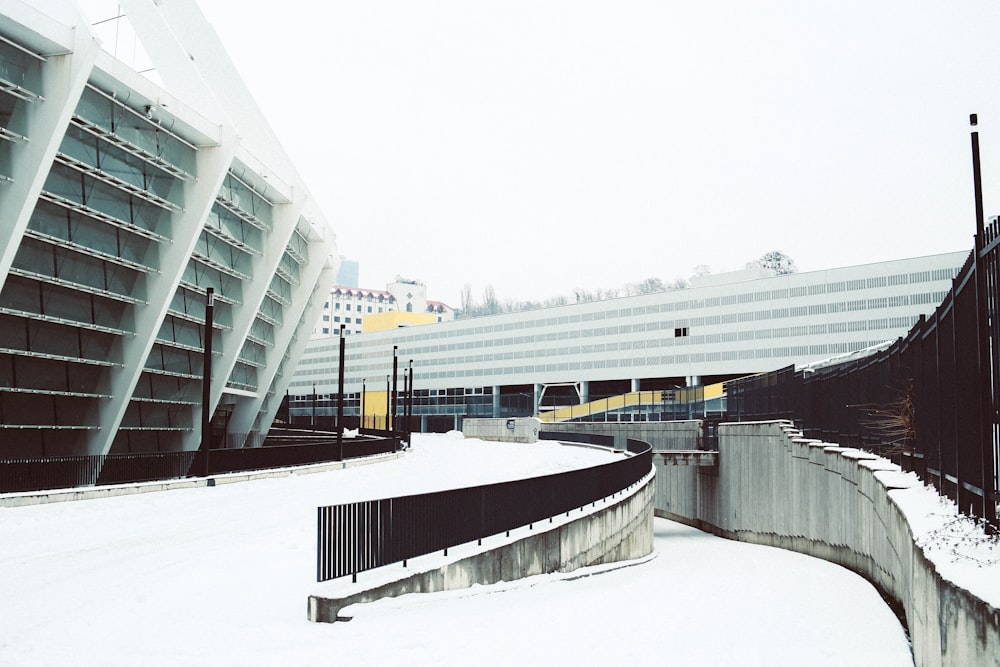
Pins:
x: 776, y: 488
x: 660, y: 435
x: 617, y: 529
x: 518, y: 429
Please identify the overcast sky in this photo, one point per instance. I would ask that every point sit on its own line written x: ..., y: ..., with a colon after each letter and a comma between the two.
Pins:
x: 538, y: 146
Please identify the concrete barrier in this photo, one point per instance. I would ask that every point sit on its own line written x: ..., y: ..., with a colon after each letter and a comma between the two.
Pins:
x: 776, y: 488
x: 24, y: 498
x: 515, y: 429
x: 617, y: 529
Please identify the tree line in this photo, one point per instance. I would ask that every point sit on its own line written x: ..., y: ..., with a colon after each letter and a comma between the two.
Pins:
x: 491, y: 304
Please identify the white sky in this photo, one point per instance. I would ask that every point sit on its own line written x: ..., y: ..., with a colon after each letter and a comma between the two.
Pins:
x: 220, y: 576
x: 539, y: 145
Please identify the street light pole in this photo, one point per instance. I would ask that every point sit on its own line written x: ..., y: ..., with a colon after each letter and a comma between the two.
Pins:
x: 340, y: 394
x: 206, y: 378
x: 395, y: 386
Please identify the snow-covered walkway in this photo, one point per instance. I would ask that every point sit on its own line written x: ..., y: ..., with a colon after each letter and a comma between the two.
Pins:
x: 221, y: 575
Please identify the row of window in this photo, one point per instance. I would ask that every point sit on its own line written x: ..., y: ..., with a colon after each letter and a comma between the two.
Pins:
x: 639, y: 327
x: 817, y: 350
x: 376, y: 358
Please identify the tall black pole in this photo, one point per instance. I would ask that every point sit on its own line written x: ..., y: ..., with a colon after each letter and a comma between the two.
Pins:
x: 406, y: 392
x: 340, y: 394
x: 313, y: 423
x: 987, y: 480
x: 361, y: 420
x: 206, y: 379
x: 409, y: 407
x: 388, y: 399
x: 395, y: 386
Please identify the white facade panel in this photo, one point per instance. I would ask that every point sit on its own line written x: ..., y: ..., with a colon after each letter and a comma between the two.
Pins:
x: 120, y: 204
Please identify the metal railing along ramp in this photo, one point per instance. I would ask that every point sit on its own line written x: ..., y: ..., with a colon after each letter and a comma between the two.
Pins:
x: 359, y: 536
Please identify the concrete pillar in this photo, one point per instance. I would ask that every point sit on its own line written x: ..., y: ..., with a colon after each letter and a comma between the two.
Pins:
x: 585, y: 392
x: 423, y: 423
x: 635, y: 385
x: 537, y: 398
x: 693, y: 380
x: 496, y: 400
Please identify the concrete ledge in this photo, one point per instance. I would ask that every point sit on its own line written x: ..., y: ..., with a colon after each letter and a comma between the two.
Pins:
x: 90, y: 492
x: 619, y: 528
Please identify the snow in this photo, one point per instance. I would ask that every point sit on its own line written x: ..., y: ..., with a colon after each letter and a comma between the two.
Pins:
x: 220, y: 575
x: 956, y: 544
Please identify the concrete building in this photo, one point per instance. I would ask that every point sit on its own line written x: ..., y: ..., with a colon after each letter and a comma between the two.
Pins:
x: 124, y: 197
x: 522, y: 363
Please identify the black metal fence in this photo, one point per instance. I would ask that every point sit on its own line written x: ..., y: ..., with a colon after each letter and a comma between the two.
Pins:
x: 928, y: 401
x: 354, y: 537
x: 37, y: 474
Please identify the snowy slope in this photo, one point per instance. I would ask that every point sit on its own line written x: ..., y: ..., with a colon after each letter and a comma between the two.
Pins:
x: 221, y: 575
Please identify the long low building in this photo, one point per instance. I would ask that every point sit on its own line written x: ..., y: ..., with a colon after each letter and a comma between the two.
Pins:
x: 124, y: 198
x: 723, y: 326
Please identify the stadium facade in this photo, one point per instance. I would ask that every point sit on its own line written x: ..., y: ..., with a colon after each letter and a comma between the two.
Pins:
x: 123, y: 198
x: 524, y: 363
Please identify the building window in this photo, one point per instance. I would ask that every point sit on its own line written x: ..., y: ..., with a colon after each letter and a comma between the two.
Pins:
x: 681, y: 332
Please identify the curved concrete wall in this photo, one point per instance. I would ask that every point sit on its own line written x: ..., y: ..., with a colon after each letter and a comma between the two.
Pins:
x: 620, y: 528
x: 776, y: 488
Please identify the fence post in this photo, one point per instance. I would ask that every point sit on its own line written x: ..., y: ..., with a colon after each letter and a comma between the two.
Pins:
x: 985, y: 384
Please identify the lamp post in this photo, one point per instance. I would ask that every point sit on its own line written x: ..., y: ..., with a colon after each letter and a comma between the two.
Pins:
x: 395, y: 386
x: 340, y: 394
x: 206, y: 378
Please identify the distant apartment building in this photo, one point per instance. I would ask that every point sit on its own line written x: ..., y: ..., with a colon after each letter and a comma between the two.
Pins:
x: 359, y: 309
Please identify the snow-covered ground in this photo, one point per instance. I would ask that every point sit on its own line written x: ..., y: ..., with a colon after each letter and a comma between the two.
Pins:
x: 221, y: 575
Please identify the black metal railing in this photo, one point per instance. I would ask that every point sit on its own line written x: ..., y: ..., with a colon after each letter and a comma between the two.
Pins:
x: 359, y: 536
x: 38, y: 474
x: 927, y: 401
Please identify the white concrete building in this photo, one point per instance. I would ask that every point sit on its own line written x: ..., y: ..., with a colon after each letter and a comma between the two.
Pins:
x: 123, y: 197
x: 517, y: 363
x: 348, y: 306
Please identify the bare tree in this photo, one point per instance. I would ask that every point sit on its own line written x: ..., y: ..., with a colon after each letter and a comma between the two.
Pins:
x: 777, y: 261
